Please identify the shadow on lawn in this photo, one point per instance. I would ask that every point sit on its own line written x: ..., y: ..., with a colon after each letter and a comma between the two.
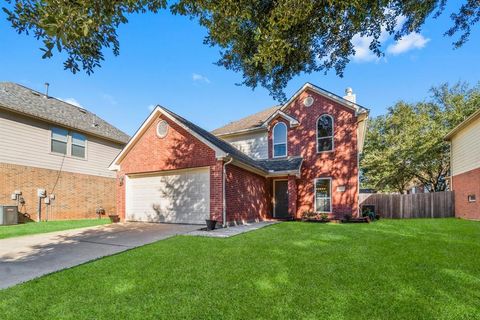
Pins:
x: 289, y: 270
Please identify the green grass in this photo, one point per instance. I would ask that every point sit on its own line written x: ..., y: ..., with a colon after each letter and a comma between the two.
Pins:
x: 396, y: 269
x: 50, y: 226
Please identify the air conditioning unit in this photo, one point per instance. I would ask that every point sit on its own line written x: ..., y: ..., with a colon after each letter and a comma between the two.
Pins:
x: 8, y: 215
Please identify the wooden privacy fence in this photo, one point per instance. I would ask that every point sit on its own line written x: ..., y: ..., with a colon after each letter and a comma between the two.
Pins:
x: 419, y: 205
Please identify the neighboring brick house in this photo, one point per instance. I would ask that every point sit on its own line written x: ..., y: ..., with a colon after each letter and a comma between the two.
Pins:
x: 63, y: 149
x: 465, y: 167
x: 299, y: 157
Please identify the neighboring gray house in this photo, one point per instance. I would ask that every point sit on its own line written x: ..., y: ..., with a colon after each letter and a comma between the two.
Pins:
x: 63, y: 149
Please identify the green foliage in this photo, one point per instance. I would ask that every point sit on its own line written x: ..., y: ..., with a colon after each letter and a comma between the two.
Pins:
x: 81, y: 28
x: 406, y: 146
x: 268, y: 41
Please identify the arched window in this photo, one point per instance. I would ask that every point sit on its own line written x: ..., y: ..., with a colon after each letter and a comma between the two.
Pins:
x: 280, y: 140
x: 325, y: 133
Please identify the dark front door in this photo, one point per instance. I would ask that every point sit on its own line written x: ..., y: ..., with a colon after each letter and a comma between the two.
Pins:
x: 281, y: 199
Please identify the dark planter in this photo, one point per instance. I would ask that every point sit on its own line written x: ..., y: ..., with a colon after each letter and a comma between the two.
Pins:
x: 211, y: 224
x: 114, y: 218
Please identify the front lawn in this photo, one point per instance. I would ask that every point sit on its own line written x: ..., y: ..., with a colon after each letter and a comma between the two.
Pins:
x: 396, y: 269
x: 50, y: 226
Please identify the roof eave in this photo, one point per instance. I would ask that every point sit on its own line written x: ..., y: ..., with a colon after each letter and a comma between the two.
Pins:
x: 62, y: 125
x: 462, y: 125
x: 240, y: 132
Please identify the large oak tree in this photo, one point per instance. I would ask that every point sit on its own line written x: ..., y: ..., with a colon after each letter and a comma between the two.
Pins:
x: 406, y: 146
x: 268, y: 41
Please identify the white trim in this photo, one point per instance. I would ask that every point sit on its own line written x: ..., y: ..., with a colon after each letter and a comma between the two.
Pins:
x: 291, y: 120
x: 152, y: 117
x: 239, y: 132
x: 273, y: 140
x: 332, y: 136
x: 463, y: 124
x: 69, y: 142
x: 315, y: 194
x: 353, y: 106
x: 273, y: 196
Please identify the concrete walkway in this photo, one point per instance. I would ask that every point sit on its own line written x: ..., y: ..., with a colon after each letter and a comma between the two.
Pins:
x: 28, y: 257
x: 231, y: 231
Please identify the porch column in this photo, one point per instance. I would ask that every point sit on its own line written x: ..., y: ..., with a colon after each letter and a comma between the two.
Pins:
x: 292, y: 196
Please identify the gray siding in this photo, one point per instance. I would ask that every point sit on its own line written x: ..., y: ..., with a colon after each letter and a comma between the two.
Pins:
x: 253, y: 144
x: 25, y: 141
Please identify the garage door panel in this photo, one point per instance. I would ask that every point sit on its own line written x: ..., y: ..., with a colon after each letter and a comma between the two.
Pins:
x: 182, y: 197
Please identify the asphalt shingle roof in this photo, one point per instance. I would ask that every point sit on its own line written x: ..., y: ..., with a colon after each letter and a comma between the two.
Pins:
x: 282, y: 164
x: 20, y: 99
x: 253, y: 121
x: 285, y: 164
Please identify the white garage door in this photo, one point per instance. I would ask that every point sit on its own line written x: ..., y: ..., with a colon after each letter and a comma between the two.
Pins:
x: 177, y: 197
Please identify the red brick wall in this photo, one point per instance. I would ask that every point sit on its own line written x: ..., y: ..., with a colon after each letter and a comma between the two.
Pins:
x: 340, y: 164
x: 178, y: 150
x: 216, y: 191
x: 465, y: 184
x: 248, y: 195
x: 77, y: 196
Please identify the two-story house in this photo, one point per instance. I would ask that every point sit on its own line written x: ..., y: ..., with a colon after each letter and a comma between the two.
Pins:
x: 54, y: 156
x: 298, y: 157
x: 465, y: 166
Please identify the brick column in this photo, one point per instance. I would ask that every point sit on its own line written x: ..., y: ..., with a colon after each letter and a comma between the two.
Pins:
x: 216, y: 191
x: 120, y: 190
x: 292, y: 196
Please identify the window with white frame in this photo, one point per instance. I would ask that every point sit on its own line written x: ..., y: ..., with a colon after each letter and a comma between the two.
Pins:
x: 59, y: 141
x: 323, y: 195
x: 68, y: 143
x: 325, y: 133
x: 280, y: 140
x: 78, y: 145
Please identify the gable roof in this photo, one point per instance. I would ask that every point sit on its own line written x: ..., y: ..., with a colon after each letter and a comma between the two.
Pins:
x: 258, y: 120
x: 19, y: 99
x: 250, y: 122
x: 463, y: 124
x: 221, y: 147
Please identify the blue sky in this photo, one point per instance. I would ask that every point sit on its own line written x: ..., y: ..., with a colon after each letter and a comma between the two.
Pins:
x: 163, y: 61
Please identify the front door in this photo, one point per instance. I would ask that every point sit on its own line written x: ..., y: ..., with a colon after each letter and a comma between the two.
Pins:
x: 280, y: 209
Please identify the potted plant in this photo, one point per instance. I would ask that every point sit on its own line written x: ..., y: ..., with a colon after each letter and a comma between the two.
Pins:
x: 114, y: 218
x: 211, y: 224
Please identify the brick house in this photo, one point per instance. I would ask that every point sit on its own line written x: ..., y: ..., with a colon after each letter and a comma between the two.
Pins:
x: 298, y: 157
x: 57, y: 147
x: 465, y: 166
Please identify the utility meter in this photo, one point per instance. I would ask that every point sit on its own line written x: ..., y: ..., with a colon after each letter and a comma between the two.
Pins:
x: 41, y: 193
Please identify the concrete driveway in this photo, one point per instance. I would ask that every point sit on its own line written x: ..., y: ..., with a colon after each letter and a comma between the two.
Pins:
x: 28, y: 257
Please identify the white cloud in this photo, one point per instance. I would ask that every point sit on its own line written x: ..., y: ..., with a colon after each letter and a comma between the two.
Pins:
x: 362, y: 50
x: 199, y: 78
x: 109, y: 98
x: 151, y: 107
x: 72, y: 101
x: 409, y: 42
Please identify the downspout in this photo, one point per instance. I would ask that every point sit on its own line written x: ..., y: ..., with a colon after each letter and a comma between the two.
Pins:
x: 224, y: 207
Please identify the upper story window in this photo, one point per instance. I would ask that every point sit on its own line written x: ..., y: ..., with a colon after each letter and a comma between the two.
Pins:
x: 280, y: 140
x: 68, y: 143
x: 325, y: 133
x: 59, y: 140
x: 78, y: 145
